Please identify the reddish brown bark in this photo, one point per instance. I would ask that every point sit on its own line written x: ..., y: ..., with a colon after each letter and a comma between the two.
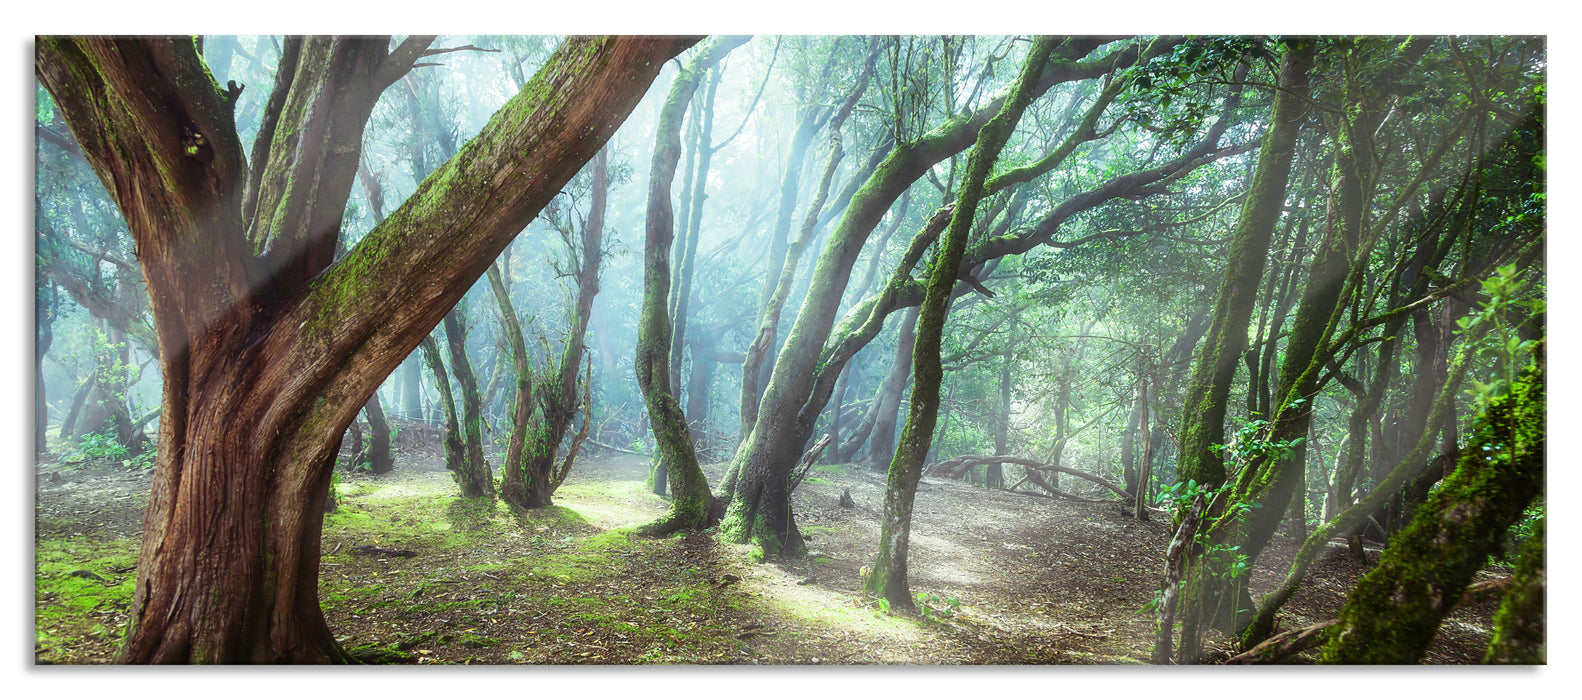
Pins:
x: 267, y: 349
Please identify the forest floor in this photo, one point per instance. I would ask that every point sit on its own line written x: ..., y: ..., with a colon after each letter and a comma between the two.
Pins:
x: 1003, y: 578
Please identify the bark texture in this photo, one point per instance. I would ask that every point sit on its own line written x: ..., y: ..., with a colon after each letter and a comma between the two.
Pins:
x: 888, y: 577
x: 269, y: 346
x: 1393, y: 613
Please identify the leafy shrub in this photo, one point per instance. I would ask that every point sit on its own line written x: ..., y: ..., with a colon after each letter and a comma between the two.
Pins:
x: 97, y: 446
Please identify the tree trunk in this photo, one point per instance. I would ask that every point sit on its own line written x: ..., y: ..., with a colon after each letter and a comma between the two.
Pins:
x: 1520, y: 623
x: 268, y: 345
x: 881, y: 445
x: 698, y: 398
x: 531, y: 471
x: 379, y: 461
x: 993, y: 475
x: 455, y: 453
x: 44, y: 320
x: 477, y: 480
x: 1144, y: 471
x: 411, y: 381
x: 888, y: 577
x: 68, y: 426
x: 692, y: 506
x: 1394, y: 612
x: 1203, y: 416
x: 692, y: 225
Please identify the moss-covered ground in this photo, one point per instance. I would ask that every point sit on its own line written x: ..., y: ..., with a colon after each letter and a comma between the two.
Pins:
x: 1001, y: 578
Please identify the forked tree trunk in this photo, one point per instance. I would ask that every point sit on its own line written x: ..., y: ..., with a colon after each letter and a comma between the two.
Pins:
x: 474, y: 475
x: 888, y: 577
x: 532, y: 472
x: 269, y: 346
x: 692, y: 505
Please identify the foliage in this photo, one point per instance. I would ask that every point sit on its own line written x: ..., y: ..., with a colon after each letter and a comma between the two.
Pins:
x: 1509, y: 302
x: 1516, y: 537
x: 97, y: 446
x: 1251, y: 443
x: 933, y: 608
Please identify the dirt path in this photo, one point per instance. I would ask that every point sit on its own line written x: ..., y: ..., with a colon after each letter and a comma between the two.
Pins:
x: 1006, y: 578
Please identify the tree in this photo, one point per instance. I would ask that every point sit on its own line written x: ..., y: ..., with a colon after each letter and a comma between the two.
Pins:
x: 261, y: 332
x: 1215, y: 365
x: 758, y: 509
x: 530, y: 472
x: 888, y: 577
x: 1393, y: 613
x: 692, y: 505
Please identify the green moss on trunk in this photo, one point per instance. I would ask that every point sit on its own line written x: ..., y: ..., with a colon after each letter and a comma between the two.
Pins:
x: 1392, y: 615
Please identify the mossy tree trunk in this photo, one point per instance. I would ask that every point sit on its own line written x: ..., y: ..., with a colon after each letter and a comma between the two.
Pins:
x: 474, y: 474
x: 692, y: 505
x: 888, y: 577
x: 455, y: 454
x: 268, y: 345
x: 1208, y: 391
x: 532, y: 472
x: 1393, y: 613
x: 1521, y: 621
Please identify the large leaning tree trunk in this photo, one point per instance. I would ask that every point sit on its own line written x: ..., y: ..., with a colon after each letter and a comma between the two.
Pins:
x: 888, y: 576
x: 692, y: 505
x: 268, y: 346
x: 1394, y: 612
x: 531, y: 472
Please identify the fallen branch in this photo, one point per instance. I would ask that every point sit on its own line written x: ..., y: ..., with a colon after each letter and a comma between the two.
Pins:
x: 369, y: 550
x: 806, y: 463
x: 1285, y: 644
x: 1281, y: 646
x: 1062, y: 494
x: 613, y: 448
x: 1084, y: 634
x: 958, y: 467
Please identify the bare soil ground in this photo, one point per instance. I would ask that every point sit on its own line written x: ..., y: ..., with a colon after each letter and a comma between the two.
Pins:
x: 1005, y: 578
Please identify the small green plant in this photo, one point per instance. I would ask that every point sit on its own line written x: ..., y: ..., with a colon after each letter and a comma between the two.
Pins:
x: 1509, y: 303
x: 144, y: 461
x: 933, y: 608
x: 1251, y: 444
x: 97, y: 446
